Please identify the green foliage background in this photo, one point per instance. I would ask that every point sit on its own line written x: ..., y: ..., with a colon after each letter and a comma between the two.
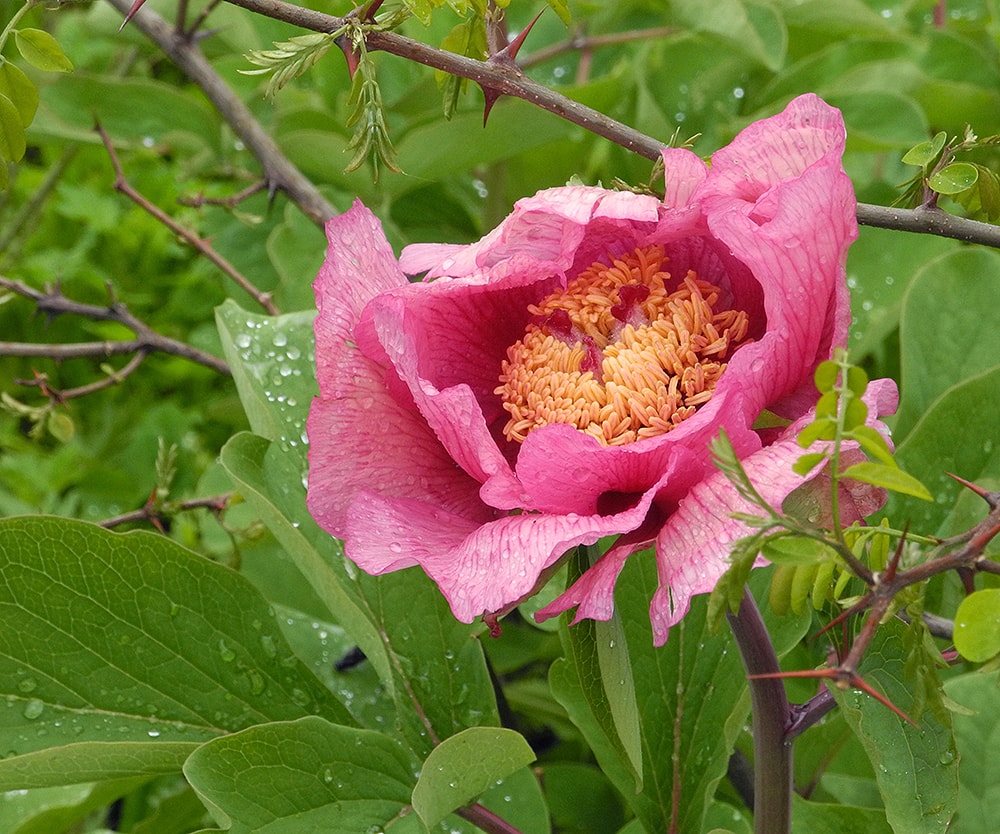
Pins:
x: 272, y: 719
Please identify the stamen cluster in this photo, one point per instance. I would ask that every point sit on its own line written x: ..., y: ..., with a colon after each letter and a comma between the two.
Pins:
x: 622, y: 353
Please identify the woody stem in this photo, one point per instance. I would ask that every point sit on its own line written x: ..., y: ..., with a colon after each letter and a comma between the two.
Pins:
x: 770, y: 716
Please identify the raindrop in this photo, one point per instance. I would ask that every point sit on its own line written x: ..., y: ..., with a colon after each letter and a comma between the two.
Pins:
x: 27, y: 685
x: 242, y: 340
x: 279, y: 340
x: 153, y: 734
x: 33, y: 709
x: 257, y: 685
x: 395, y: 547
x: 268, y: 645
x: 226, y: 653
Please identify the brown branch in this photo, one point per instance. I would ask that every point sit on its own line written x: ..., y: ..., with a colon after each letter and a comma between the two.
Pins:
x: 60, y: 396
x: 280, y: 173
x: 494, y: 76
x: 497, y: 77
x: 155, y: 514
x: 53, y: 303
x: 929, y: 221
x: 122, y: 186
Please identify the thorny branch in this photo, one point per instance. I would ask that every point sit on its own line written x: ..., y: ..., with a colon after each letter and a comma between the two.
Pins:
x: 494, y: 77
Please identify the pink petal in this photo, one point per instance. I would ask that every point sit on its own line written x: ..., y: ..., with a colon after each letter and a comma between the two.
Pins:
x: 684, y: 172
x: 693, y: 547
x: 548, y: 228
x: 478, y: 567
x: 346, y: 449
x: 774, y: 150
x: 359, y: 265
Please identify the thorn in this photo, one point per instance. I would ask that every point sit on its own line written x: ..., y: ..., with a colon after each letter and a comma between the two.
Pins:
x: 508, y: 54
x: 991, y: 498
x: 843, y: 679
x: 890, y: 570
x: 350, y: 55
x: 368, y: 16
x: 131, y: 13
x: 505, y: 57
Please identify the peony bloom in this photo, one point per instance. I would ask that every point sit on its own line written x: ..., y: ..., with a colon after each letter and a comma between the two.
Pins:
x: 559, y: 380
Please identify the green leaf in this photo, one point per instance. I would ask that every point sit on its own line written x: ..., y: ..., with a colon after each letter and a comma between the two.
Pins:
x: 924, y: 153
x: 916, y: 767
x: 12, y: 141
x: 961, y: 344
x: 270, y: 480
x: 755, y: 29
x: 689, y: 698
x: 561, y: 8
x: 806, y: 463
x: 131, y: 640
x: 977, y: 625
x: 272, y: 359
x: 827, y: 818
x: 824, y: 428
x: 825, y: 376
x: 465, y: 766
x: 302, y: 777
x: 795, y: 550
x: 41, y: 50
x: 954, y: 178
x: 889, y: 477
x: 873, y: 444
x: 977, y: 733
x: 20, y: 90
x: 934, y: 447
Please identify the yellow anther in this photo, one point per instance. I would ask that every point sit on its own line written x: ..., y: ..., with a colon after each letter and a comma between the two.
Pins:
x: 623, y: 353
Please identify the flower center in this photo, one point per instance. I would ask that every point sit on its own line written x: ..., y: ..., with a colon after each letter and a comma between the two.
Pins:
x: 624, y: 352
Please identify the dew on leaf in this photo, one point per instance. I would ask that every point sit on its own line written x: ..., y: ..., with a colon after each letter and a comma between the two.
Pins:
x: 33, y: 709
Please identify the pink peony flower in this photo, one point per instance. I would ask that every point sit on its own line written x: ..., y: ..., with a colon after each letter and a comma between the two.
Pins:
x: 559, y: 380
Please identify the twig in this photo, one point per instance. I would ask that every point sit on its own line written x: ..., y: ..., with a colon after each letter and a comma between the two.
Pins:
x: 497, y: 77
x: 60, y: 396
x: 152, y: 513
x: 53, y: 303
x: 122, y: 186
x: 227, y: 202
x: 579, y: 42
x: 280, y: 173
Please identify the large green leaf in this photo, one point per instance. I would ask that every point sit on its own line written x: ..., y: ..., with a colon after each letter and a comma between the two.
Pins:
x: 689, y: 697
x: 936, y: 447
x: 302, y: 777
x: 977, y: 734
x: 129, y: 109
x: 273, y: 366
x: 270, y: 479
x: 949, y: 329
x: 756, y: 29
x: 465, y: 766
x: 822, y: 818
x: 135, y: 647
x: 916, y: 766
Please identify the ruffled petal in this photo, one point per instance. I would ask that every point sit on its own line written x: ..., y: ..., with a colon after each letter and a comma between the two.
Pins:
x: 693, y: 547
x: 478, y: 567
